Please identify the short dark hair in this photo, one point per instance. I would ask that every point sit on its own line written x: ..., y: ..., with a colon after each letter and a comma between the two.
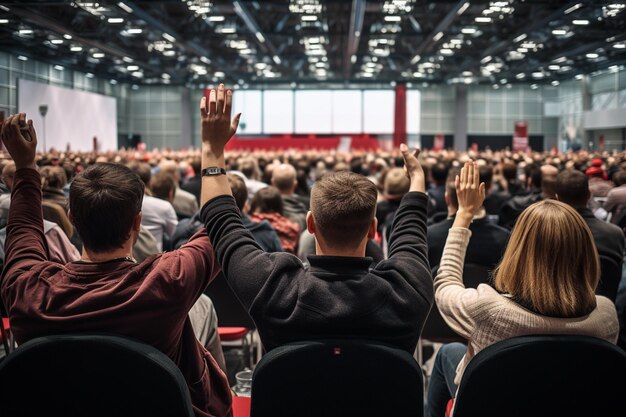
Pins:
x: 104, y: 200
x: 485, y: 173
x: 267, y: 200
x: 239, y: 190
x: 572, y: 187
x: 439, y: 172
x: 343, y: 205
x: 54, y: 176
x: 142, y: 169
x: 619, y: 178
x: 509, y: 171
x: 163, y: 185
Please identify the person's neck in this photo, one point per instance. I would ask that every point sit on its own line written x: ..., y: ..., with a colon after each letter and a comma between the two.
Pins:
x: 323, y: 250
x: 125, y: 252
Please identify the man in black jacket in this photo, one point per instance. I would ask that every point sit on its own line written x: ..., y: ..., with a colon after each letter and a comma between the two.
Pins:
x: 338, y: 296
x: 487, y: 243
x: 572, y: 187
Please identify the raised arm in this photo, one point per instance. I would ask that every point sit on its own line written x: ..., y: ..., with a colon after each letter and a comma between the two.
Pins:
x: 454, y: 301
x: 408, y: 251
x: 245, y: 265
x: 25, y: 243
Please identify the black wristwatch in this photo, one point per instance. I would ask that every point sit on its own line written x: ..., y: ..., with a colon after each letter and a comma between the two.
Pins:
x: 210, y: 171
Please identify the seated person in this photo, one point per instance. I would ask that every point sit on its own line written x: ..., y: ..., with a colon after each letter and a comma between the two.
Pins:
x: 149, y: 302
x: 488, y: 239
x: 572, y: 187
x: 338, y: 296
x: 267, y: 205
x: 544, y: 285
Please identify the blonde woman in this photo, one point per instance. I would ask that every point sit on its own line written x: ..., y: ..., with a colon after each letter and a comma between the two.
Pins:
x: 545, y: 283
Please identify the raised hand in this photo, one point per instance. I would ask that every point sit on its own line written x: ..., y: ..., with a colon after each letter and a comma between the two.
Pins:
x: 217, y: 126
x: 413, y: 169
x: 470, y: 192
x: 20, y: 139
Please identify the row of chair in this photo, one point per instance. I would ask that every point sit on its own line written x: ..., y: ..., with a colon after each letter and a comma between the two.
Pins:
x: 100, y: 375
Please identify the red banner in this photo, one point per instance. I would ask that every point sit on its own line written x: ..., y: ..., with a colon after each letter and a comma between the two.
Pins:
x: 520, y: 137
x: 439, y: 143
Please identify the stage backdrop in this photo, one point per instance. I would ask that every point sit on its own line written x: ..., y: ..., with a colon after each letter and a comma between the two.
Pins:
x: 73, y: 116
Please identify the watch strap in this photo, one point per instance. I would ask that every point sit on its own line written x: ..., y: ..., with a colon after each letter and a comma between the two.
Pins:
x: 210, y: 171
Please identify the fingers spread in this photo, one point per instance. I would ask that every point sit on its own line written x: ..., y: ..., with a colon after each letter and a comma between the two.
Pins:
x: 228, y: 105
x: 203, y: 107
x: 212, y: 102
x: 220, y: 99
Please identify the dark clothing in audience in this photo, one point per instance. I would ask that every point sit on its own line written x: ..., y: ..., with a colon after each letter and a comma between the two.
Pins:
x: 56, y: 196
x: 514, y: 207
x: 294, y: 210
x: 263, y: 232
x: 438, y: 194
x: 148, y: 301
x: 193, y: 185
x: 486, y: 245
x: 609, y: 239
x: 494, y: 202
x: 385, y: 208
x: 336, y: 296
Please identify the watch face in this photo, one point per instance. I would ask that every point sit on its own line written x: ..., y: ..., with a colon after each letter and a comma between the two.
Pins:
x: 214, y: 171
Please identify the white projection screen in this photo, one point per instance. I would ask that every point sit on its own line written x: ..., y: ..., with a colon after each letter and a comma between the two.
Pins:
x: 413, y: 111
x: 278, y: 111
x: 347, y: 111
x: 73, y: 117
x: 313, y: 111
x: 378, y: 111
x: 248, y: 103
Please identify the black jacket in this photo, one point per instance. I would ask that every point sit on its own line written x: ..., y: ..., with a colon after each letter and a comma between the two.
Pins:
x: 336, y: 296
x: 485, y: 248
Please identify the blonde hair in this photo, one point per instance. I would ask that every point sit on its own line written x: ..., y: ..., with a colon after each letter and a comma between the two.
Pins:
x: 550, y: 264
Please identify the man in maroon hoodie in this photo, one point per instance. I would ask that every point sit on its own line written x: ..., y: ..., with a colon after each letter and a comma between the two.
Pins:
x: 106, y: 291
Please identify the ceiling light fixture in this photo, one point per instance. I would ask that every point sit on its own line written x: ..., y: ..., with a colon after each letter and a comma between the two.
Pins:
x: 115, y: 20
x: 124, y: 7
x: 463, y: 8
x: 573, y: 8
x: 580, y: 22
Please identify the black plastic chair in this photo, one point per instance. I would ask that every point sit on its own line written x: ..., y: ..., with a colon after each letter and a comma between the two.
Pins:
x: 91, y: 376
x: 611, y: 274
x: 435, y: 328
x: 331, y: 378
x: 544, y: 375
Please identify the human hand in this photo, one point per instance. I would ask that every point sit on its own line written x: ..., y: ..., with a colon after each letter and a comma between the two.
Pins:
x: 20, y: 139
x: 217, y: 127
x: 413, y: 168
x: 470, y: 192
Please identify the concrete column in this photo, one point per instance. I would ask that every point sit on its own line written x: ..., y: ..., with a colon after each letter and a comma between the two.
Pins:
x: 186, y: 136
x: 585, y: 89
x: 460, y: 120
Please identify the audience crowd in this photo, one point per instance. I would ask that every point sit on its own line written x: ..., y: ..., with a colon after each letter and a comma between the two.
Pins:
x: 314, y: 244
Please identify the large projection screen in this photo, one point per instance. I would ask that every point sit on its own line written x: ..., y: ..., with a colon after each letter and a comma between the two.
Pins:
x: 313, y: 111
x: 73, y: 117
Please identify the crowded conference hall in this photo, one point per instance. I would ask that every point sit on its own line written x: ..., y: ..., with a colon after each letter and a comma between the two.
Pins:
x: 313, y: 208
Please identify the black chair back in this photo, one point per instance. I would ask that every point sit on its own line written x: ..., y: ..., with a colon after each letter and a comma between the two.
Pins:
x: 544, y: 375
x: 611, y: 274
x: 331, y: 378
x: 435, y: 328
x: 91, y: 376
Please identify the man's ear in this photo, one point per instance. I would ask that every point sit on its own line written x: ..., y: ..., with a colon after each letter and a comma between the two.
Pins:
x: 446, y: 197
x: 137, y: 222
x: 371, y: 233
x: 310, y: 223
